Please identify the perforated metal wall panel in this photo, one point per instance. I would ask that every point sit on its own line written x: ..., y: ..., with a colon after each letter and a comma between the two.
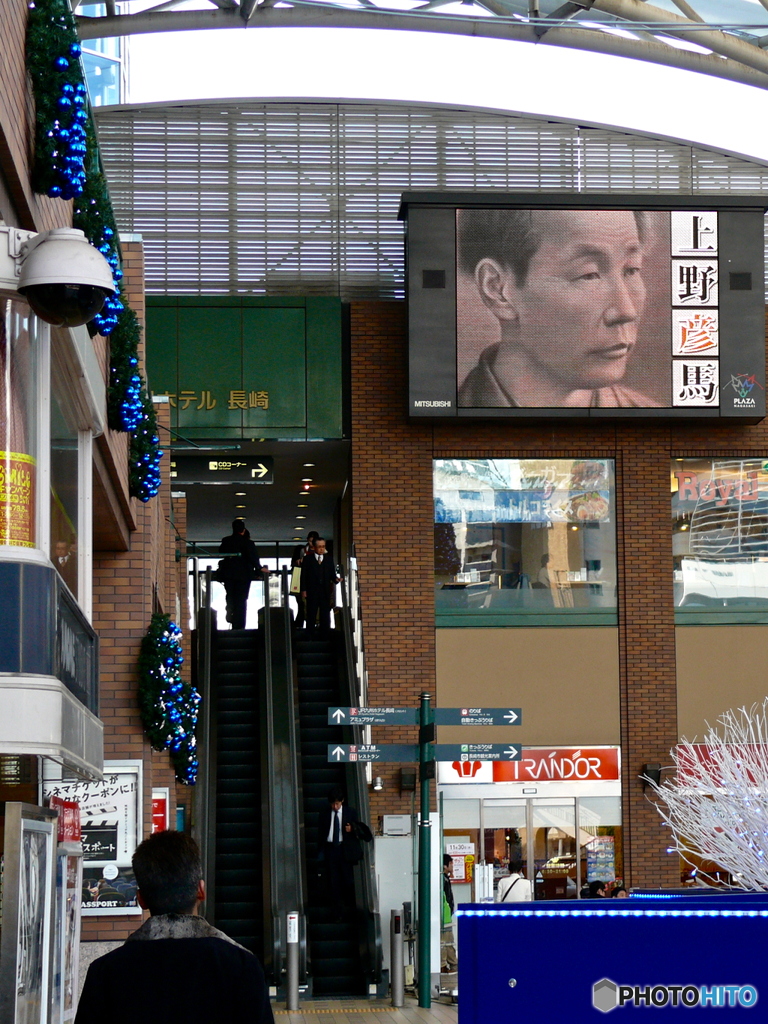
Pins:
x: 301, y: 198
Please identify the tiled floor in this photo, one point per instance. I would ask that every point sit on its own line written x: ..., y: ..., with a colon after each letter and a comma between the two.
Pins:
x: 377, y: 1011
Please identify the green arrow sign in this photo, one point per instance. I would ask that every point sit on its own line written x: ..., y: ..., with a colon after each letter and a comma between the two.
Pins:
x: 478, y: 752
x: 342, y: 752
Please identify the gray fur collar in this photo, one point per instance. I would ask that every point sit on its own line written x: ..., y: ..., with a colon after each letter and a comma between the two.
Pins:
x: 179, y: 926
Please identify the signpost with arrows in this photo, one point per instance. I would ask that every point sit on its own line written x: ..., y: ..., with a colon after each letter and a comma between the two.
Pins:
x: 426, y: 752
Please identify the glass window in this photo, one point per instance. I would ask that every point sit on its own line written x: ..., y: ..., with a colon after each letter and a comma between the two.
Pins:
x: 524, y: 541
x: 19, y: 369
x: 64, y: 483
x: 720, y: 540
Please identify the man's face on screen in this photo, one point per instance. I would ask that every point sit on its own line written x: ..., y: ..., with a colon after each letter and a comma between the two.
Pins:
x: 576, y: 314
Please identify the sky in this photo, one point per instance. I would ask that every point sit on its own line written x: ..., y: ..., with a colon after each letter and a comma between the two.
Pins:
x: 326, y: 63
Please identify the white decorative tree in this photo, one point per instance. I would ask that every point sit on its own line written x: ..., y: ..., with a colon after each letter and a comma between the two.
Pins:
x: 717, y: 805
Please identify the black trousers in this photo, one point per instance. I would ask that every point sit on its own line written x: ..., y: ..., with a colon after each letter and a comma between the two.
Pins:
x: 318, y: 601
x: 237, y: 602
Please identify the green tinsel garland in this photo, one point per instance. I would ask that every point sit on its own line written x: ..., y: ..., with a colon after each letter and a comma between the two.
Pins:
x: 124, y: 401
x: 168, y: 705
x: 53, y: 62
x: 145, y: 453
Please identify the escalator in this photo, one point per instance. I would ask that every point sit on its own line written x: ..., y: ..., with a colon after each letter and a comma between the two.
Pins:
x: 334, y: 946
x: 263, y: 737
x: 238, y: 894
x: 247, y: 801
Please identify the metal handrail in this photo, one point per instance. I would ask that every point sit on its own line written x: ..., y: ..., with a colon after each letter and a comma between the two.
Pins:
x: 204, y: 822
x: 357, y: 790
x: 282, y: 809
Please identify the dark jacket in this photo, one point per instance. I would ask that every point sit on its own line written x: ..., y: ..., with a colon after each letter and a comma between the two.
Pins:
x: 316, y: 577
x: 352, y: 850
x: 176, y: 969
x: 246, y: 567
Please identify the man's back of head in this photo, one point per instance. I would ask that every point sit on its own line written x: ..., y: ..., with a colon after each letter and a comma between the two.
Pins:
x: 168, y: 872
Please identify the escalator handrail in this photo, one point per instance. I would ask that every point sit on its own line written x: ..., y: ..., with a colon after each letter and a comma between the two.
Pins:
x: 357, y: 790
x: 282, y: 848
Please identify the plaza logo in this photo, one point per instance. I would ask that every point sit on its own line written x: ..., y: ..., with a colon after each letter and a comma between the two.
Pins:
x: 607, y: 996
x: 743, y: 384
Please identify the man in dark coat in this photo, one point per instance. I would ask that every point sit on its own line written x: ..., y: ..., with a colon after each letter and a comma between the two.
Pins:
x: 338, y: 848
x: 176, y: 969
x: 237, y: 573
x: 318, y: 578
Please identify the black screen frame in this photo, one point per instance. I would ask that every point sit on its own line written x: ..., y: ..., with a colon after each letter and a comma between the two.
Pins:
x: 430, y: 223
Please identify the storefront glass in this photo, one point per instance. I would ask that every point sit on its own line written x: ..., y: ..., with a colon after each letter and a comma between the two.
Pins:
x: 563, y: 843
x: 19, y: 442
x: 524, y: 542
x: 64, y: 490
x: 720, y: 540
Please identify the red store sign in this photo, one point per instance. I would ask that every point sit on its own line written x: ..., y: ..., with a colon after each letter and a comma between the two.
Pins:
x: 561, y: 764
x: 69, y: 819
x: 541, y: 764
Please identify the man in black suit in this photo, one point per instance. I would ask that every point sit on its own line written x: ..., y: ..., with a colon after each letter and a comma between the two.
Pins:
x: 318, y: 578
x: 338, y: 849
x: 237, y: 573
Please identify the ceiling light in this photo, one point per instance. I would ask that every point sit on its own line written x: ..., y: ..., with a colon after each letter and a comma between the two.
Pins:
x: 302, y: 506
x: 239, y: 494
x: 308, y: 464
x: 239, y: 506
x: 301, y: 517
x: 306, y: 480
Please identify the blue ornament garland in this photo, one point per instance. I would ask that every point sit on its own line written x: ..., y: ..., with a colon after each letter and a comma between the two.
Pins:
x: 66, y: 166
x: 169, y: 706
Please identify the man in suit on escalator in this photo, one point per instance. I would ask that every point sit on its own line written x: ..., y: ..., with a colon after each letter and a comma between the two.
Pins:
x: 338, y: 849
x: 318, y: 578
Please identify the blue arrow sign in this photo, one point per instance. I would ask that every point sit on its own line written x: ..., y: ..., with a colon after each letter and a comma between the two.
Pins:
x: 478, y: 752
x: 343, y: 752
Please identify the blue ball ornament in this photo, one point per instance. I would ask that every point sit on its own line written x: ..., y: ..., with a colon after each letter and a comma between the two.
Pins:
x: 61, y: 63
x: 65, y: 102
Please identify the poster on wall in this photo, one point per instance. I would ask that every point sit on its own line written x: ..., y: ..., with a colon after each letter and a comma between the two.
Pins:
x: 601, y: 859
x: 17, y: 499
x: 585, y: 306
x: 112, y: 828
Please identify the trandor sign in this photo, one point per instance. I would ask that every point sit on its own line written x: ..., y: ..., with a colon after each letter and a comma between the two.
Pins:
x: 538, y: 764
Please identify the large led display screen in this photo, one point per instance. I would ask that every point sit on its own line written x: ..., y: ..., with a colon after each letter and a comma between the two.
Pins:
x: 587, y: 307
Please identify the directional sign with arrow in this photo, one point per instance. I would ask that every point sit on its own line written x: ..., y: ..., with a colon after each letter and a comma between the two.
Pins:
x: 194, y: 469
x: 478, y: 752
x: 407, y: 752
x: 478, y: 716
x: 373, y: 716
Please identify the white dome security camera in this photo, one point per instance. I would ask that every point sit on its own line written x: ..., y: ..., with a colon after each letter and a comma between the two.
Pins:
x: 64, y: 279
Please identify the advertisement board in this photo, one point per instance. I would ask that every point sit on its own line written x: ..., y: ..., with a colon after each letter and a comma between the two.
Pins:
x: 585, y: 306
x: 111, y: 823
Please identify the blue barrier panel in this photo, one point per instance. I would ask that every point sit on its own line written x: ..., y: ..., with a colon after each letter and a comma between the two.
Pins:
x: 669, y: 956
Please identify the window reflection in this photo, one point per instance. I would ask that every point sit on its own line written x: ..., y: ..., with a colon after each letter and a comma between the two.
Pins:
x: 524, y: 538
x: 720, y: 536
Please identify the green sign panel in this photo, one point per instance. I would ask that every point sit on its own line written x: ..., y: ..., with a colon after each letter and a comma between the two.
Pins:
x: 247, y: 367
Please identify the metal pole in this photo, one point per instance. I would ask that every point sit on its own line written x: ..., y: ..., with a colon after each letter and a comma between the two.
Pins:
x: 396, y: 965
x: 425, y: 835
x: 292, y: 963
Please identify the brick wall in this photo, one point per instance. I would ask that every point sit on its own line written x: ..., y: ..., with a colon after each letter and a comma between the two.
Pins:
x: 128, y: 587
x: 35, y: 213
x: 392, y: 518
